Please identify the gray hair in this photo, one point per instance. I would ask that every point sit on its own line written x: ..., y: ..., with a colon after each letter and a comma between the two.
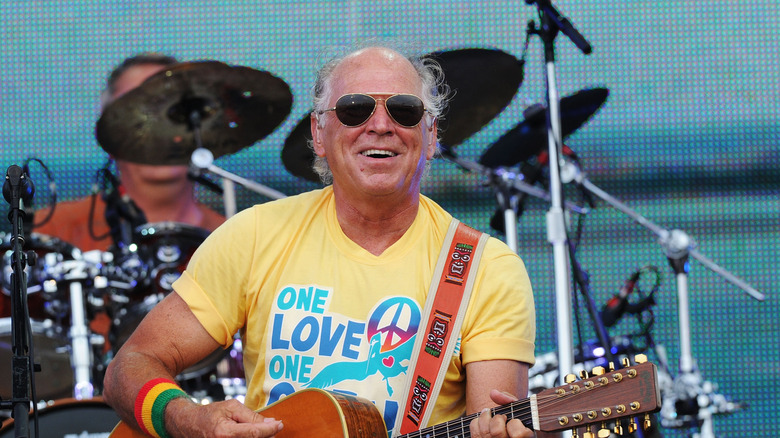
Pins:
x: 435, y: 92
x: 145, y: 58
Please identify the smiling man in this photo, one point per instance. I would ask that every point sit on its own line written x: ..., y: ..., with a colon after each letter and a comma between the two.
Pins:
x: 328, y: 288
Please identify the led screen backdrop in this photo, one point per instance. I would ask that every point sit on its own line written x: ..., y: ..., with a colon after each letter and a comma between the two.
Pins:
x: 688, y: 138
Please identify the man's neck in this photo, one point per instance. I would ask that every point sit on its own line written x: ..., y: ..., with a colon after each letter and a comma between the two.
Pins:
x: 166, y: 202
x: 376, y: 224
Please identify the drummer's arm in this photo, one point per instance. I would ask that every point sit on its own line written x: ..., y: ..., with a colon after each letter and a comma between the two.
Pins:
x: 168, y: 340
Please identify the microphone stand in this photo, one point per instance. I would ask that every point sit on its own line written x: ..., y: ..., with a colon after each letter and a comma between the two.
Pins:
x: 552, y: 22
x: 18, y: 190
x: 678, y: 246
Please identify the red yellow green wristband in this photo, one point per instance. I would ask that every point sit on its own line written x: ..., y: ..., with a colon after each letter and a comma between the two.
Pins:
x: 150, y: 405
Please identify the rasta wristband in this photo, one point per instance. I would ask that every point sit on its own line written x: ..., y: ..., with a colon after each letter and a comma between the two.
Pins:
x: 150, y: 405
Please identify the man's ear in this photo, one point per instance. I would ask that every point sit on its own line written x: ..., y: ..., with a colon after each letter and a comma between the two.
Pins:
x: 430, y: 138
x: 315, y: 135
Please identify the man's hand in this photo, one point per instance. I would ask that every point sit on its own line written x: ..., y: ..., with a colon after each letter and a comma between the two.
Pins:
x: 487, y: 426
x: 221, y: 419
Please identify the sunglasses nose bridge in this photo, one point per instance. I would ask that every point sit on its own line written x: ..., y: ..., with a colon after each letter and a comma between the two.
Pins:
x: 381, y: 108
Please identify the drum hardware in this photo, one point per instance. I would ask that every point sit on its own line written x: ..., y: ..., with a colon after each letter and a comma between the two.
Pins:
x: 76, y: 274
x: 196, y: 106
x: 696, y: 397
x: 203, y: 159
x: 507, y: 181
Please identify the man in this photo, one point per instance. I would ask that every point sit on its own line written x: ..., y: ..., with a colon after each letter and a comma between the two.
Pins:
x: 161, y: 192
x: 327, y: 287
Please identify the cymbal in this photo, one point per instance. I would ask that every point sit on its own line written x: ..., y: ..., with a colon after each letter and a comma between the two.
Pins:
x: 232, y: 107
x: 482, y: 83
x: 297, y: 157
x: 529, y: 137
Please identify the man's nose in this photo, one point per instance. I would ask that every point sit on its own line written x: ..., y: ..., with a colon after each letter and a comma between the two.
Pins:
x: 380, y: 121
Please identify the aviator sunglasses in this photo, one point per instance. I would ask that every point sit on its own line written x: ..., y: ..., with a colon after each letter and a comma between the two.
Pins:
x: 355, y: 109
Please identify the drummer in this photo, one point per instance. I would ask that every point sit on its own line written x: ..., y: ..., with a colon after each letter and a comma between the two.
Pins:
x: 161, y: 192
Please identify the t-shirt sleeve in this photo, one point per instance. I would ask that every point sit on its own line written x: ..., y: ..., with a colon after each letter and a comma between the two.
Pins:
x: 501, y: 320
x: 217, y: 277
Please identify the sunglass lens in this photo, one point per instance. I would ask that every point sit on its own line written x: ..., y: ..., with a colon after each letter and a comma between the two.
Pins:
x: 354, y: 109
x: 406, y: 109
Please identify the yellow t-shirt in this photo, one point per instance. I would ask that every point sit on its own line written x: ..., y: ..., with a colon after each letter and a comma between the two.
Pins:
x: 317, y: 310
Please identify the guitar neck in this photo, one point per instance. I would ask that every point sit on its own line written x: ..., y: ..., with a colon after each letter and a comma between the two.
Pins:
x: 520, y: 409
x: 607, y: 397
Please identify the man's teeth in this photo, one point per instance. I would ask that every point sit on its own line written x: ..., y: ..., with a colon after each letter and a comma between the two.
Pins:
x: 378, y: 153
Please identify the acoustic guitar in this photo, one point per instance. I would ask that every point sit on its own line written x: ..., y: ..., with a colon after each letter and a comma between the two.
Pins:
x: 593, y: 405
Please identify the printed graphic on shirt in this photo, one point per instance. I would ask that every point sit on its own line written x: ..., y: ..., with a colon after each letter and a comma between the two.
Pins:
x: 312, y: 346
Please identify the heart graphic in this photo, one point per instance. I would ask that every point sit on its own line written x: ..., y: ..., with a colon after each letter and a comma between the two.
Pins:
x: 388, y: 361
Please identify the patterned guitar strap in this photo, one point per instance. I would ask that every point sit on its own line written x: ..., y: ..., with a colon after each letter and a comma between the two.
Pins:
x: 445, y: 306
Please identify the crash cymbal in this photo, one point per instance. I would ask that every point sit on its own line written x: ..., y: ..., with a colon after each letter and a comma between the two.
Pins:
x: 232, y: 107
x: 297, y: 157
x: 482, y: 83
x: 529, y: 137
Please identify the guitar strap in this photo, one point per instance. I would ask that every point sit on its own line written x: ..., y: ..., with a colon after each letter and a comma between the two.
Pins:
x: 445, y: 307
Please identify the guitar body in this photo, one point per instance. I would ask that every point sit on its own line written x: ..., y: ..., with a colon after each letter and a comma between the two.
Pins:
x: 312, y: 412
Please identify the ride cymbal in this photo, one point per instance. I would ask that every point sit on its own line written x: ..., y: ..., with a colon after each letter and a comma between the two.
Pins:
x: 529, y: 137
x: 482, y: 83
x: 230, y: 107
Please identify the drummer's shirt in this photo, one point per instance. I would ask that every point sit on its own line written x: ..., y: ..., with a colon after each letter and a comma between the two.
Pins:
x: 316, y: 310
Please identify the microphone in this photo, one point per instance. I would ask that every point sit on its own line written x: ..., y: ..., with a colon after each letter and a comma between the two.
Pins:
x: 618, y: 304
x: 17, y: 186
x: 201, y: 179
x: 122, y: 214
x: 29, y: 212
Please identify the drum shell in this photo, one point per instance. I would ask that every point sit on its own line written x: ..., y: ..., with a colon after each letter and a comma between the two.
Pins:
x: 70, y: 418
x: 163, y: 250
x: 47, y: 293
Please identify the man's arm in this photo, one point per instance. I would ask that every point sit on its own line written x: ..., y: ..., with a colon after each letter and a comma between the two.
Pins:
x: 168, y: 340
x: 506, y: 376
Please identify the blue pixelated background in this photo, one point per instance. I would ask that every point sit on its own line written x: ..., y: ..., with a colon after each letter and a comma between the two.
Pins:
x: 689, y: 138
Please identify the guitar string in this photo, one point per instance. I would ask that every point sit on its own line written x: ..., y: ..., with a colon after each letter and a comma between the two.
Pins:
x: 460, y: 426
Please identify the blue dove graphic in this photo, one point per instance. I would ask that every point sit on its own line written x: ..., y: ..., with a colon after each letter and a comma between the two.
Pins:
x: 340, y: 371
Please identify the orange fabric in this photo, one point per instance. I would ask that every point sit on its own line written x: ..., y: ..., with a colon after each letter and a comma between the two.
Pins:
x: 71, y: 219
x: 70, y: 224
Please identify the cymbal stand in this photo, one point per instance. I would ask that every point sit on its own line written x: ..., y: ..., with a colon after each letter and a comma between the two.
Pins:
x: 552, y: 22
x: 688, y: 388
x: 76, y: 272
x: 203, y: 159
x: 506, y: 183
x: 508, y: 200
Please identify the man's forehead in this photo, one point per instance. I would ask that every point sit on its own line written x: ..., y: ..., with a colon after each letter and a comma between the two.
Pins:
x: 376, y: 68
